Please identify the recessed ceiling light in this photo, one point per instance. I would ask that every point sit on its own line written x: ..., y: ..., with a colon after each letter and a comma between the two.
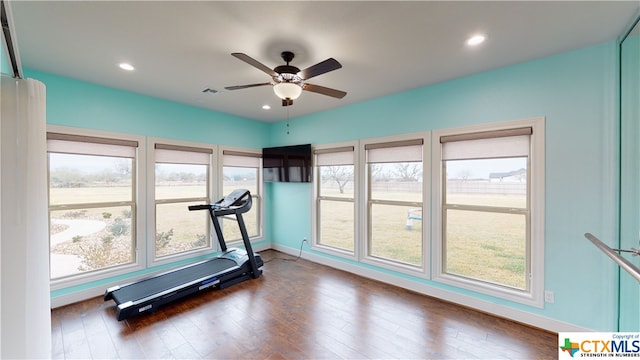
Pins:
x: 476, y: 40
x: 266, y: 107
x: 125, y: 66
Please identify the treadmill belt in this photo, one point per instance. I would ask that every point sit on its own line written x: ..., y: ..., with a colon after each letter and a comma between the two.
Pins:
x: 170, y: 280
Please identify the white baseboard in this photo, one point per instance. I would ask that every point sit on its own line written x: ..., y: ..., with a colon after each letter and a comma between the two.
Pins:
x: 75, y: 297
x: 498, y: 310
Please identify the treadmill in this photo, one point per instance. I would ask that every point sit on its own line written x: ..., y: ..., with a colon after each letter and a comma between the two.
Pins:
x: 229, y: 268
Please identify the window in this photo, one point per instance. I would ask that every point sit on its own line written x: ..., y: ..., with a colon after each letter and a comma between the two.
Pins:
x: 335, y: 199
x: 394, y: 210
x: 92, y: 203
x: 489, y: 236
x: 112, y: 210
x: 182, y: 176
x: 241, y: 170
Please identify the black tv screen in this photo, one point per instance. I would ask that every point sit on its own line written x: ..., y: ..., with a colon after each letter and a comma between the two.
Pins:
x: 287, y: 163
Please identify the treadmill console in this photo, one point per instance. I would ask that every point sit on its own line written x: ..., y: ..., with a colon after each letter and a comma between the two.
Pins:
x: 234, y: 198
x: 238, y: 201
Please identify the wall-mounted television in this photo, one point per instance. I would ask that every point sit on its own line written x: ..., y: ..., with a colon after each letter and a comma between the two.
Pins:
x: 287, y: 163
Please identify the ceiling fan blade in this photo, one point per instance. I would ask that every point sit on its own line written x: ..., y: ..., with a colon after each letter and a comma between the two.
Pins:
x: 339, y: 94
x: 255, y: 63
x: 320, y: 68
x: 238, y: 87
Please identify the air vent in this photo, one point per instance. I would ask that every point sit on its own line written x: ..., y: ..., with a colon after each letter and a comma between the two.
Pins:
x: 209, y: 90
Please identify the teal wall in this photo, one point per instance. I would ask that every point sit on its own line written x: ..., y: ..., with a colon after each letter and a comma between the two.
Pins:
x: 630, y: 175
x: 80, y: 104
x: 576, y: 92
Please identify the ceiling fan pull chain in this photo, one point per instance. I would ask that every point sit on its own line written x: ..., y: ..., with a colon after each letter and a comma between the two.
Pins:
x: 287, y: 121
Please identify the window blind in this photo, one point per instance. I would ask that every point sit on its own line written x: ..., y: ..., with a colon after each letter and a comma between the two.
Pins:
x: 485, y: 145
x: 396, y: 151
x: 334, y: 156
x: 90, y: 145
x: 176, y: 154
x: 240, y: 159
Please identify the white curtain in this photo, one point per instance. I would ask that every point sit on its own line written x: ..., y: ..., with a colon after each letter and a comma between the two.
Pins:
x: 25, y: 302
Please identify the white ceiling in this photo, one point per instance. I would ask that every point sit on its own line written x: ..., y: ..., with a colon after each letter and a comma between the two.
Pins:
x: 180, y: 48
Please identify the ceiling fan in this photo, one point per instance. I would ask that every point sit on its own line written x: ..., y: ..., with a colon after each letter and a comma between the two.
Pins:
x: 288, y: 81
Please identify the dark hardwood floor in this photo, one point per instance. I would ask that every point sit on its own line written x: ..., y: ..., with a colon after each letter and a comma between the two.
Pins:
x: 297, y: 310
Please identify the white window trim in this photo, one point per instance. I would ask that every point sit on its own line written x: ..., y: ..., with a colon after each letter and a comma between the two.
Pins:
x: 220, y: 183
x: 151, y: 202
x: 535, y: 296
x: 357, y: 189
x: 140, y: 207
x: 363, y: 243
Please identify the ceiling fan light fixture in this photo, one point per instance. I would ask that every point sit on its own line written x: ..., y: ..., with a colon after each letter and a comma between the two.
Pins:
x: 288, y: 81
x: 287, y: 90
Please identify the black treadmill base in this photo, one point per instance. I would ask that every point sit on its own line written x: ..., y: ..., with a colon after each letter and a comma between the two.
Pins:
x: 148, y: 295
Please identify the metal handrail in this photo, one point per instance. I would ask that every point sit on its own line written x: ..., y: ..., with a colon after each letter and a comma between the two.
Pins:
x: 624, y: 263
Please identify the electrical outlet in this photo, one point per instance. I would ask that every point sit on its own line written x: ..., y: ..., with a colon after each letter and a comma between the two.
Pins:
x: 548, y: 297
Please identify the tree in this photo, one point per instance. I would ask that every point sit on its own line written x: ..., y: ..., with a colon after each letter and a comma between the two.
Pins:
x: 377, y: 172
x: 67, y: 178
x: 340, y: 174
x: 464, y: 175
x: 123, y: 167
x: 408, y: 171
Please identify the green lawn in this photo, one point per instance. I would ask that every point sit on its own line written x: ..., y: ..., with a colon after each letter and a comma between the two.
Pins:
x: 337, y: 224
x: 81, y: 195
x: 485, y: 246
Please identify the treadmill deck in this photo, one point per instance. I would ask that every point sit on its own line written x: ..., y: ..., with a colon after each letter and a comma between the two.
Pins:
x: 171, y: 280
